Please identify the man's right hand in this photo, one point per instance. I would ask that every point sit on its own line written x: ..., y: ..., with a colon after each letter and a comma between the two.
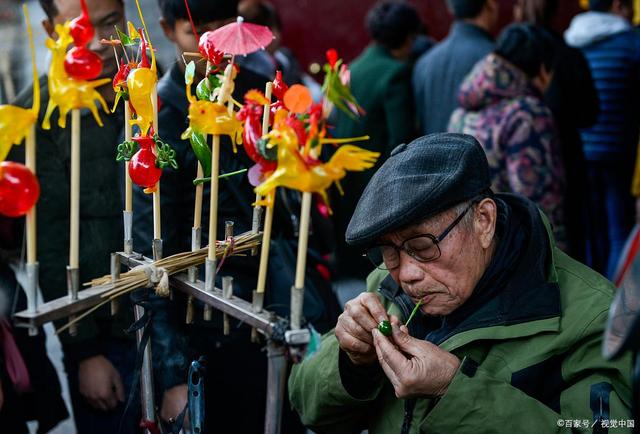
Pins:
x: 100, y: 383
x: 353, y: 330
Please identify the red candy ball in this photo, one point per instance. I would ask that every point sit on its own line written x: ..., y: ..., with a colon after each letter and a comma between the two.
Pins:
x: 142, y: 166
x: 81, y: 30
x: 82, y: 64
x: 19, y: 189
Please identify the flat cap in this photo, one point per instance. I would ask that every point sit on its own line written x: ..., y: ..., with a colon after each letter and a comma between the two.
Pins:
x: 419, y: 180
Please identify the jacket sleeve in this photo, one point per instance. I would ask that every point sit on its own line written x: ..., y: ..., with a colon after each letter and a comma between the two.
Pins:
x: 593, y: 392
x: 317, y: 393
x: 329, y: 394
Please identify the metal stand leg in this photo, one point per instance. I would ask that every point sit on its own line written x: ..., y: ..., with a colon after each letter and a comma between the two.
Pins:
x: 256, y: 305
x: 156, y: 248
x: 32, y: 293
x: 128, y: 229
x: 146, y: 376
x: 209, y: 284
x: 297, y: 300
x: 255, y: 225
x: 115, y: 275
x: 227, y: 292
x: 73, y: 285
x: 196, y: 237
x: 277, y: 376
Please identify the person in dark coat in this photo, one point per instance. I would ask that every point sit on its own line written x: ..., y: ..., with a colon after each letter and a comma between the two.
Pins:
x: 438, y: 73
x: 380, y: 82
x: 573, y: 100
x: 236, y: 367
x: 612, y: 48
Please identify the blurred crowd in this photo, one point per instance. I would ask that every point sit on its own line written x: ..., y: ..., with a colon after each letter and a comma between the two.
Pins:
x: 557, y: 113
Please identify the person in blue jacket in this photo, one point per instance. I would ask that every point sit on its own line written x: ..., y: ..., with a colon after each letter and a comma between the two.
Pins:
x: 612, y: 48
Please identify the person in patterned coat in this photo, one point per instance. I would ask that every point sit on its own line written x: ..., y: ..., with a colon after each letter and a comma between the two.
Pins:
x: 502, y: 105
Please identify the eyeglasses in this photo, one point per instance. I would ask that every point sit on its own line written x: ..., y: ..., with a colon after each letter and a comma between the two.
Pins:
x: 422, y: 248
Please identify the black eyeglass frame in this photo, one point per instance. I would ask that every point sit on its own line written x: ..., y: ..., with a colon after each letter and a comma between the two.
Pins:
x: 435, y: 239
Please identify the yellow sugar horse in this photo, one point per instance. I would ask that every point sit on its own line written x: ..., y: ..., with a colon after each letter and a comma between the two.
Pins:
x: 64, y: 92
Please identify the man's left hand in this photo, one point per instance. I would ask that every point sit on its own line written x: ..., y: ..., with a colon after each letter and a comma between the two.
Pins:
x: 414, y: 367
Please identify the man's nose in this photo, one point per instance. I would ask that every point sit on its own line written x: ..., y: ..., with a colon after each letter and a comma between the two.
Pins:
x: 409, y: 269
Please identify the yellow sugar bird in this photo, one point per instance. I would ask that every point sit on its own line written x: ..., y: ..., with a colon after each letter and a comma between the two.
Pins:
x: 307, y: 174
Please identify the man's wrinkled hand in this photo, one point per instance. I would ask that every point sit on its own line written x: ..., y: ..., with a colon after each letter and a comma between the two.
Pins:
x: 100, y: 383
x: 353, y: 330
x: 173, y: 402
x: 414, y: 367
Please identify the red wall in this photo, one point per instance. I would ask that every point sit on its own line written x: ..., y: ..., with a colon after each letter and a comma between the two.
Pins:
x: 310, y: 27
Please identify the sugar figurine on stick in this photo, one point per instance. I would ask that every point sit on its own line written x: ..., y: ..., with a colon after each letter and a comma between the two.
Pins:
x: 71, y: 88
x: 236, y: 38
x: 299, y: 132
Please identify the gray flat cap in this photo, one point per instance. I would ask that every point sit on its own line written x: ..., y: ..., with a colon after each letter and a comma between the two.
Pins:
x: 419, y: 180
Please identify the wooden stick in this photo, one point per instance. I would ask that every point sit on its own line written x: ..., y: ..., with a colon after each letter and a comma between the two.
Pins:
x: 157, y: 229
x: 268, y: 220
x: 303, y: 240
x: 74, y: 231
x: 264, y: 248
x: 30, y: 162
x: 213, y: 203
x: 128, y: 191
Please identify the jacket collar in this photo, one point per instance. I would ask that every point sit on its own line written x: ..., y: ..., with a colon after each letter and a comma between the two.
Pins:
x: 466, y: 30
x: 529, y: 304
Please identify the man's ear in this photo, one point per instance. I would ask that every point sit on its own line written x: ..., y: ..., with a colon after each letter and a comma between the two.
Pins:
x: 485, y: 217
x: 48, y: 27
x: 168, y: 30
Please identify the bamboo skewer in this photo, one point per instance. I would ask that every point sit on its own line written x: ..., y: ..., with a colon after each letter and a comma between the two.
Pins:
x: 128, y: 133
x: 297, y: 292
x: 32, y: 257
x: 157, y: 228
x: 73, y: 271
x: 210, y: 263
x: 196, y: 230
x: 128, y: 188
x: 30, y: 162
x: 74, y: 233
x: 268, y: 221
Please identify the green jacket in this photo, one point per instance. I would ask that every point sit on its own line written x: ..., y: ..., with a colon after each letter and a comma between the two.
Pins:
x: 526, y: 376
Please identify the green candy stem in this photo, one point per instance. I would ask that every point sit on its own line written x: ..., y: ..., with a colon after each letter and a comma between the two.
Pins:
x: 413, y: 313
x: 224, y: 175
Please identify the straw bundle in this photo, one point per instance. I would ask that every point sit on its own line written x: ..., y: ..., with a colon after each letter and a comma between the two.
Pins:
x: 145, y: 276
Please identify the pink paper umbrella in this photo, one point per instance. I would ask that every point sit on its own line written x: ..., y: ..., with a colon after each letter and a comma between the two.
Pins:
x: 240, y: 37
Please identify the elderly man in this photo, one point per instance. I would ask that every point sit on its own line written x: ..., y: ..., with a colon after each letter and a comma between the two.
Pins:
x: 509, y: 330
